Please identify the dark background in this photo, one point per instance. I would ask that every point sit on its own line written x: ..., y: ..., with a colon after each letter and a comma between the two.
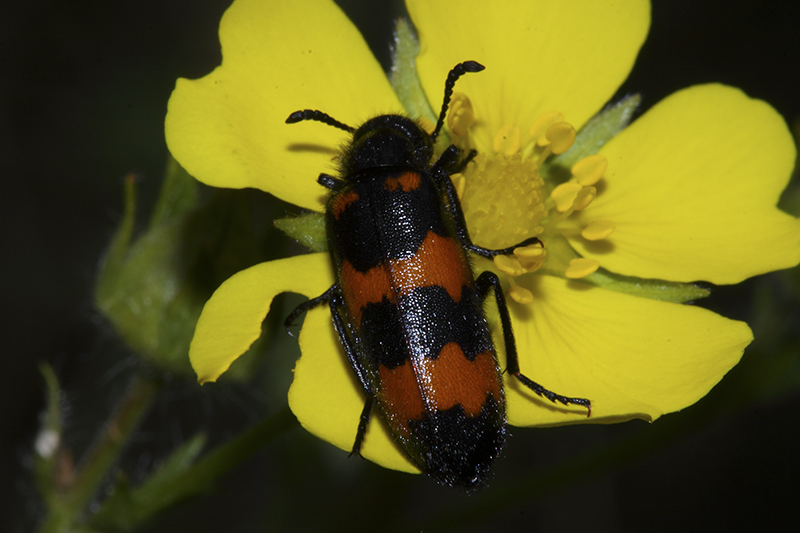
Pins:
x: 83, y: 93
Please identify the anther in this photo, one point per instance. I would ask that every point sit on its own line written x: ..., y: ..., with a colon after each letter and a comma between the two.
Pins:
x: 598, y: 230
x: 564, y: 195
x: 540, y: 126
x: 461, y: 115
x: 581, y: 267
x: 520, y: 294
x: 589, y: 170
x: 507, y: 141
x: 584, y: 198
x: 561, y: 136
x: 508, y: 265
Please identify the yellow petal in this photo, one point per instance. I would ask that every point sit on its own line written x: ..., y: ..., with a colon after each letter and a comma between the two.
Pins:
x: 632, y: 357
x: 692, y: 187
x: 540, y: 56
x: 231, y: 319
x: 327, y: 399
x: 227, y: 129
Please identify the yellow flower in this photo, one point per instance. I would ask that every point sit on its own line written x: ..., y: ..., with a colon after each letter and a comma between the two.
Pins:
x: 686, y: 193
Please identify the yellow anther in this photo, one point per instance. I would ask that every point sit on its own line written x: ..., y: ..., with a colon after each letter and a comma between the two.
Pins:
x: 506, y: 141
x: 459, y: 182
x: 508, y: 265
x: 598, y: 230
x: 532, y: 265
x: 582, y: 267
x: 561, y: 136
x: 539, y: 128
x: 461, y: 115
x: 564, y: 195
x: 589, y: 170
x: 584, y: 198
x: 426, y: 125
x: 532, y: 251
x: 520, y: 294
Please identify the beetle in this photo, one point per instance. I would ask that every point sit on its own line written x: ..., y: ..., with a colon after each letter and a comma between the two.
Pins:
x: 406, y: 305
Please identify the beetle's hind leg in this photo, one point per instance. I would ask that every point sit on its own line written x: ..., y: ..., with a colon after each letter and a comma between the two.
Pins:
x: 333, y: 297
x: 489, y: 280
x: 307, y: 306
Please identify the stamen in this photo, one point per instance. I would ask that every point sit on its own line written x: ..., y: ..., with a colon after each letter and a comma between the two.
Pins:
x: 532, y: 251
x: 459, y: 183
x: 461, y: 115
x: 598, y: 230
x: 532, y: 264
x: 589, y: 170
x: 581, y: 267
x: 520, y: 294
x: 508, y: 265
x: 540, y: 126
x: 584, y: 198
x: 506, y: 141
x: 564, y: 195
x: 561, y: 136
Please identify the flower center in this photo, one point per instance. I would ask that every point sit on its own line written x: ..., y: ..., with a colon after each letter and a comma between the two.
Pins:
x: 503, y: 200
x: 508, y: 196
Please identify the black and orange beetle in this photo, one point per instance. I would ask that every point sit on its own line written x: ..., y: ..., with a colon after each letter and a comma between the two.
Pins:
x: 406, y: 305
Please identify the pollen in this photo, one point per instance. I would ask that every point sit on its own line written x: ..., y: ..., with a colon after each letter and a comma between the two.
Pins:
x: 503, y: 199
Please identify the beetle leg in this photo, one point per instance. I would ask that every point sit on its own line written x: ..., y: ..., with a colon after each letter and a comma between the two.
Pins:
x: 489, y: 280
x: 336, y: 304
x: 330, y: 182
x: 446, y: 165
x: 307, y: 305
x: 363, y: 422
x: 333, y: 297
x: 441, y: 170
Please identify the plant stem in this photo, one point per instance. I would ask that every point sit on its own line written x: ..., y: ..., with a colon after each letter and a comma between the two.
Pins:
x: 67, y: 507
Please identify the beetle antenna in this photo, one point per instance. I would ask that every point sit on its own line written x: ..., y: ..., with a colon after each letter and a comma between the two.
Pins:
x: 458, y: 71
x: 319, y: 116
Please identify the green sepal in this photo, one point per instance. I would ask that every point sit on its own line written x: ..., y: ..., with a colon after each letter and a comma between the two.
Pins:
x: 655, y: 289
x: 403, y: 75
x: 153, y: 288
x: 308, y: 229
x: 560, y: 253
